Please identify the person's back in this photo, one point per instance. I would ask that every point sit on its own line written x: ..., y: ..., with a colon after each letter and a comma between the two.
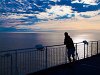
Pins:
x: 69, y: 42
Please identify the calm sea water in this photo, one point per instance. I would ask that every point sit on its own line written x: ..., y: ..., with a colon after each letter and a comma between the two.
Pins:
x: 26, y: 40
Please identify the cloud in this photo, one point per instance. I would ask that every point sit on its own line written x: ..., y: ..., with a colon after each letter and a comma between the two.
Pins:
x: 36, y: 22
x: 72, y: 24
x: 55, y: 11
x: 78, y: 23
x: 90, y: 2
x: 64, y: 12
x: 89, y: 14
x: 55, y: 0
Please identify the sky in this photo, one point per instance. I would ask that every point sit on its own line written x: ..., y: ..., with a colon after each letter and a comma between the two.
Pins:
x: 49, y: 15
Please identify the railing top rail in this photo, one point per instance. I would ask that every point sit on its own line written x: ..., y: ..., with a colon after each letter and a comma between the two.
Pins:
x: 54, y: 45
x: 16, y: 49
x: 93, y: 41
x: 44, y: 46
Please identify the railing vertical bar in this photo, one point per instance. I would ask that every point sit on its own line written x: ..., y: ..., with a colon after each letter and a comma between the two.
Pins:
x: 66, y: 55
x: 46, y: 61
x: 20, y: 62
x: 62, y: 50
x: 25, y: 62
x: 57, y: 50
x: 6, y: 62
x: 16, y: 63
x: 52, y: 51
x: 76, y: 52
x: 37, y: 56
x: 97, y: 47
x: 11, y: 65
x: 84, y: 50
x: 1, y: 66
x: 56, y: 55
x: 56, y: 58
x: 50, y: 57
x: 59, y: 56
x: 43, y: 58
x: 91, y: 48
x: 5, y: 65
x: 29, y: 61
x: 87, y: 50
x: 40, y: 59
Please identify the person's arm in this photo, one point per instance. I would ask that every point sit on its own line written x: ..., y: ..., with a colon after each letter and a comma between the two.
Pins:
x: 64, y: 42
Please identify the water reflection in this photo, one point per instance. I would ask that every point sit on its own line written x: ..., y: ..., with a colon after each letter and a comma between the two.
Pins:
x: 82, y: 37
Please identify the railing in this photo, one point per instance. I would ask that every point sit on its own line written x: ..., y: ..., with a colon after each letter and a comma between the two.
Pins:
x: 29, y: 60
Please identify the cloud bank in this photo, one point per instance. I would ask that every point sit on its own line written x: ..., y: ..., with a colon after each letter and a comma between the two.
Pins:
x: 61, y: 14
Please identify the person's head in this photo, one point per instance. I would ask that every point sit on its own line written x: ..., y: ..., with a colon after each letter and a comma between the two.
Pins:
x: 66, y: 34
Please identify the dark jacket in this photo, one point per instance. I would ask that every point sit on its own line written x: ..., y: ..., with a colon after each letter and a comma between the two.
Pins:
x: 68, y: 42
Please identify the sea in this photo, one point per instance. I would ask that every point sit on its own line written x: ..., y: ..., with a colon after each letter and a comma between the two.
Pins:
x: 18, y: 40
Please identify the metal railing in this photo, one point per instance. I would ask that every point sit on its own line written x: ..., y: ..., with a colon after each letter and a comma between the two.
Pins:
x: 29, y: 60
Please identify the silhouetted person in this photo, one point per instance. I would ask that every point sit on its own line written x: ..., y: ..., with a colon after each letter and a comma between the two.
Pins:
x: 70, y: 46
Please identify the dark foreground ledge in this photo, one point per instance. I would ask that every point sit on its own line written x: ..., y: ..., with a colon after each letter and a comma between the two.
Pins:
x: 88, y: 66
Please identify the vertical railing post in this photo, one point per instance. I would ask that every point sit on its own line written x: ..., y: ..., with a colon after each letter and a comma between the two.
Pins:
x: 84, y: 50
x: 46, y: 61
x: 97, y: 47
x: 66, y: 55
x: 87, y: 49
x: 11, y: 66
x: 16, y: 66
x: 76, y: 52
x: 91, y: 48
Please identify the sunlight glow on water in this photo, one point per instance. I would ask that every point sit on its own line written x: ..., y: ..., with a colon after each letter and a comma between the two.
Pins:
x: 82, y: 37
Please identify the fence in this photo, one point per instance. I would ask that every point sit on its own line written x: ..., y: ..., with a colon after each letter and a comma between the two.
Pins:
x: 29, y: 60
